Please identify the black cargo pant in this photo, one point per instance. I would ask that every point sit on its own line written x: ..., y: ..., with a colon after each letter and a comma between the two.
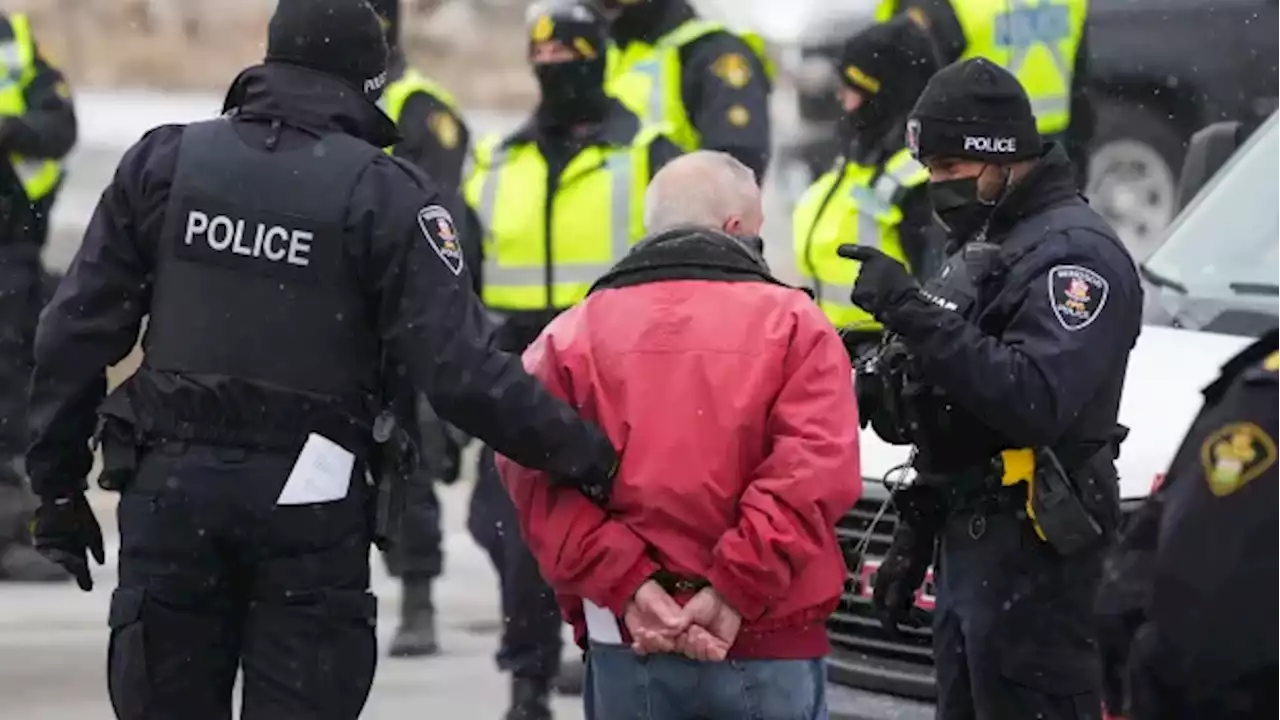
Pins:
x: 215, y: 577
x: 531, y: 640
x: 1013, y: 629
x: 418, y: 552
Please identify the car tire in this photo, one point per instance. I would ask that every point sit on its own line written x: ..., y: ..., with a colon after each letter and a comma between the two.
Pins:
x: 1133, y: 173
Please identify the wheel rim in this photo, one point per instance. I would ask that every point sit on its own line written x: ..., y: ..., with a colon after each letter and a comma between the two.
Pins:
x: 1132, y: 186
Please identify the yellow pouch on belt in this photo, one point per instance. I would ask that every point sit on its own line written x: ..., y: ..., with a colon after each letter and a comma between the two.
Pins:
x: 1019, y: 466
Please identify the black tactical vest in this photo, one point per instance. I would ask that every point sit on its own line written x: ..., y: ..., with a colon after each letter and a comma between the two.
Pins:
x: 251, y: 280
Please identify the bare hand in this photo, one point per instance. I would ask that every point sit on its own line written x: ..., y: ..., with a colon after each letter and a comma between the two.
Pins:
x: 713, y: 627
x: 654, y: 619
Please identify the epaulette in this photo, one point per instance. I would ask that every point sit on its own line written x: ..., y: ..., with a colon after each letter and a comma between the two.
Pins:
x: 1249, y: 365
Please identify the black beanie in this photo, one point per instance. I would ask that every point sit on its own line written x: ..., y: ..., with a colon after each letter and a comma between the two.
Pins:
x: 343, y: 38
x: 890, y: 63
x: 976, y: 110
x: 576, y: 25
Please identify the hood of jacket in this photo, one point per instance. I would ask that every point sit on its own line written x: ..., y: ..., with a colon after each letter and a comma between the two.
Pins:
x: 309, y: 100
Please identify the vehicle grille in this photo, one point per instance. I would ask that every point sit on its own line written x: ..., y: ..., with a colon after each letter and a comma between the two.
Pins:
x: 855, y: 632
x: 863, y: 654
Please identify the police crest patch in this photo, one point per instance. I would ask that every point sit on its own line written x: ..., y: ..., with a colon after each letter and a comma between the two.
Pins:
x: 1234, y: 454
x: 1077, y: 295
x: 445, y: 129
x: 733, y: 69
x: 437, y: 225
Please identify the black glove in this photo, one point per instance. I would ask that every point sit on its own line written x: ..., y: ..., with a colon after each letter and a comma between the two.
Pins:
x: 921, y: 507
x: 882, y: 284
x: 595, y: 478
x: 65, y: 530
x: 900, y: 575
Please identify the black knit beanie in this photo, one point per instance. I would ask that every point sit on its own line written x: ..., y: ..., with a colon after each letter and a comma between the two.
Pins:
x: 576, y: 25
x: 976, y: 110
x: 889, y: 63
x: 343, y: 38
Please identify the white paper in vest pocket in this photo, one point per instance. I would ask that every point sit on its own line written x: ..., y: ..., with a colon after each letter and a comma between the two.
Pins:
x: 602, y: 626
x: 322, y: 473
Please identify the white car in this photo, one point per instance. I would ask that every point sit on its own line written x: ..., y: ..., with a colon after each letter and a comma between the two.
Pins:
x: 1211, y: 288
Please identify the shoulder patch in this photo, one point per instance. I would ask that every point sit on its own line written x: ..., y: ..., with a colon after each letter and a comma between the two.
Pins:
x: 733, y: 69
x: 1077, y: 295
x: 437, y: 225
x: 1235, y: 454
x: 444, y: 127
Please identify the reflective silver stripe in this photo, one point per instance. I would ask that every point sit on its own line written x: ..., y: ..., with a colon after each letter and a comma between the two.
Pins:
x: 868, y: 229
x: 888, y: 184
x: 11, y: 64
x: 502, y: 275
x: 1051, y: 105
x: 652, y: 69
x: 1018, y: 56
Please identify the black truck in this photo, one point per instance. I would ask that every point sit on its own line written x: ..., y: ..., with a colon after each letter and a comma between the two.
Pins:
x: 1159, y: 71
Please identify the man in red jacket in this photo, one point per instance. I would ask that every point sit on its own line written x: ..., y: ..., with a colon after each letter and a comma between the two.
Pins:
x: 732, y: 397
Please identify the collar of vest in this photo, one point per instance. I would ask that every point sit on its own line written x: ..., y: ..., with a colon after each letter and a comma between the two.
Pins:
x: 310, y: 100
x: 648, y: 22
x: 619, y: 128
x: 688, y: 253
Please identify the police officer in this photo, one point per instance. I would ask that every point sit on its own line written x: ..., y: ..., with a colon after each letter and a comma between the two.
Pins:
x: 560, y: 200
x: 710, y: 85
x: 1043, y: 42
x: 1188, y: 605
x: 277, y: 253
x: 435, y: 138
x: 874, y: 195
x: 37, y: 129
x: 1014, y: 358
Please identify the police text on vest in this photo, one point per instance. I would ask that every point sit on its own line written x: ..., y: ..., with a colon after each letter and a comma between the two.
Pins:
x: 978, y: 143
x: 273, y: 242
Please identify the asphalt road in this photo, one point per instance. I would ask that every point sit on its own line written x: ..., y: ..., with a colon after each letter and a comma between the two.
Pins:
x: 53, y: 638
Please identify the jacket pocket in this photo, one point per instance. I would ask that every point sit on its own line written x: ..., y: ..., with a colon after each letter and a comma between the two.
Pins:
x: 128, y: 681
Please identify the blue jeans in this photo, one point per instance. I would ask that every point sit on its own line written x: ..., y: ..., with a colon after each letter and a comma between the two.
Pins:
x: 621, y: 685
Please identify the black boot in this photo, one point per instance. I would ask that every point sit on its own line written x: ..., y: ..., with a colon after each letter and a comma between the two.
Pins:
x: 570, y: 679
x: 530, y: 699
x: 416, y: 636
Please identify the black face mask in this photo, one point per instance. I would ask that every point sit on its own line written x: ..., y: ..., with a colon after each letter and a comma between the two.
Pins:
x: 572, y: 92
x: 958, y: 206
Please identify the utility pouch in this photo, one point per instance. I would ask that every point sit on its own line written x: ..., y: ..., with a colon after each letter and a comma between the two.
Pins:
x: 395, y: 461
x: 1062, y: 518
x: 1054, y: 507
x: 119, y: 445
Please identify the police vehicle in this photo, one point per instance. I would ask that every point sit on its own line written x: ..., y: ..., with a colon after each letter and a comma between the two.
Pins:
x: 1211, y: 287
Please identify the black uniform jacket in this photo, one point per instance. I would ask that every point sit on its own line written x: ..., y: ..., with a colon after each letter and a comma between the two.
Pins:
x: 1048, y: 350
x: 420, y: 298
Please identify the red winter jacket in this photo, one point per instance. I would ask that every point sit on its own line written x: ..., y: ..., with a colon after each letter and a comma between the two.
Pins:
x: 733, y: 406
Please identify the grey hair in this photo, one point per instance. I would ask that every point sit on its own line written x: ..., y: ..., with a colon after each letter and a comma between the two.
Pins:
x: 704, y: 188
